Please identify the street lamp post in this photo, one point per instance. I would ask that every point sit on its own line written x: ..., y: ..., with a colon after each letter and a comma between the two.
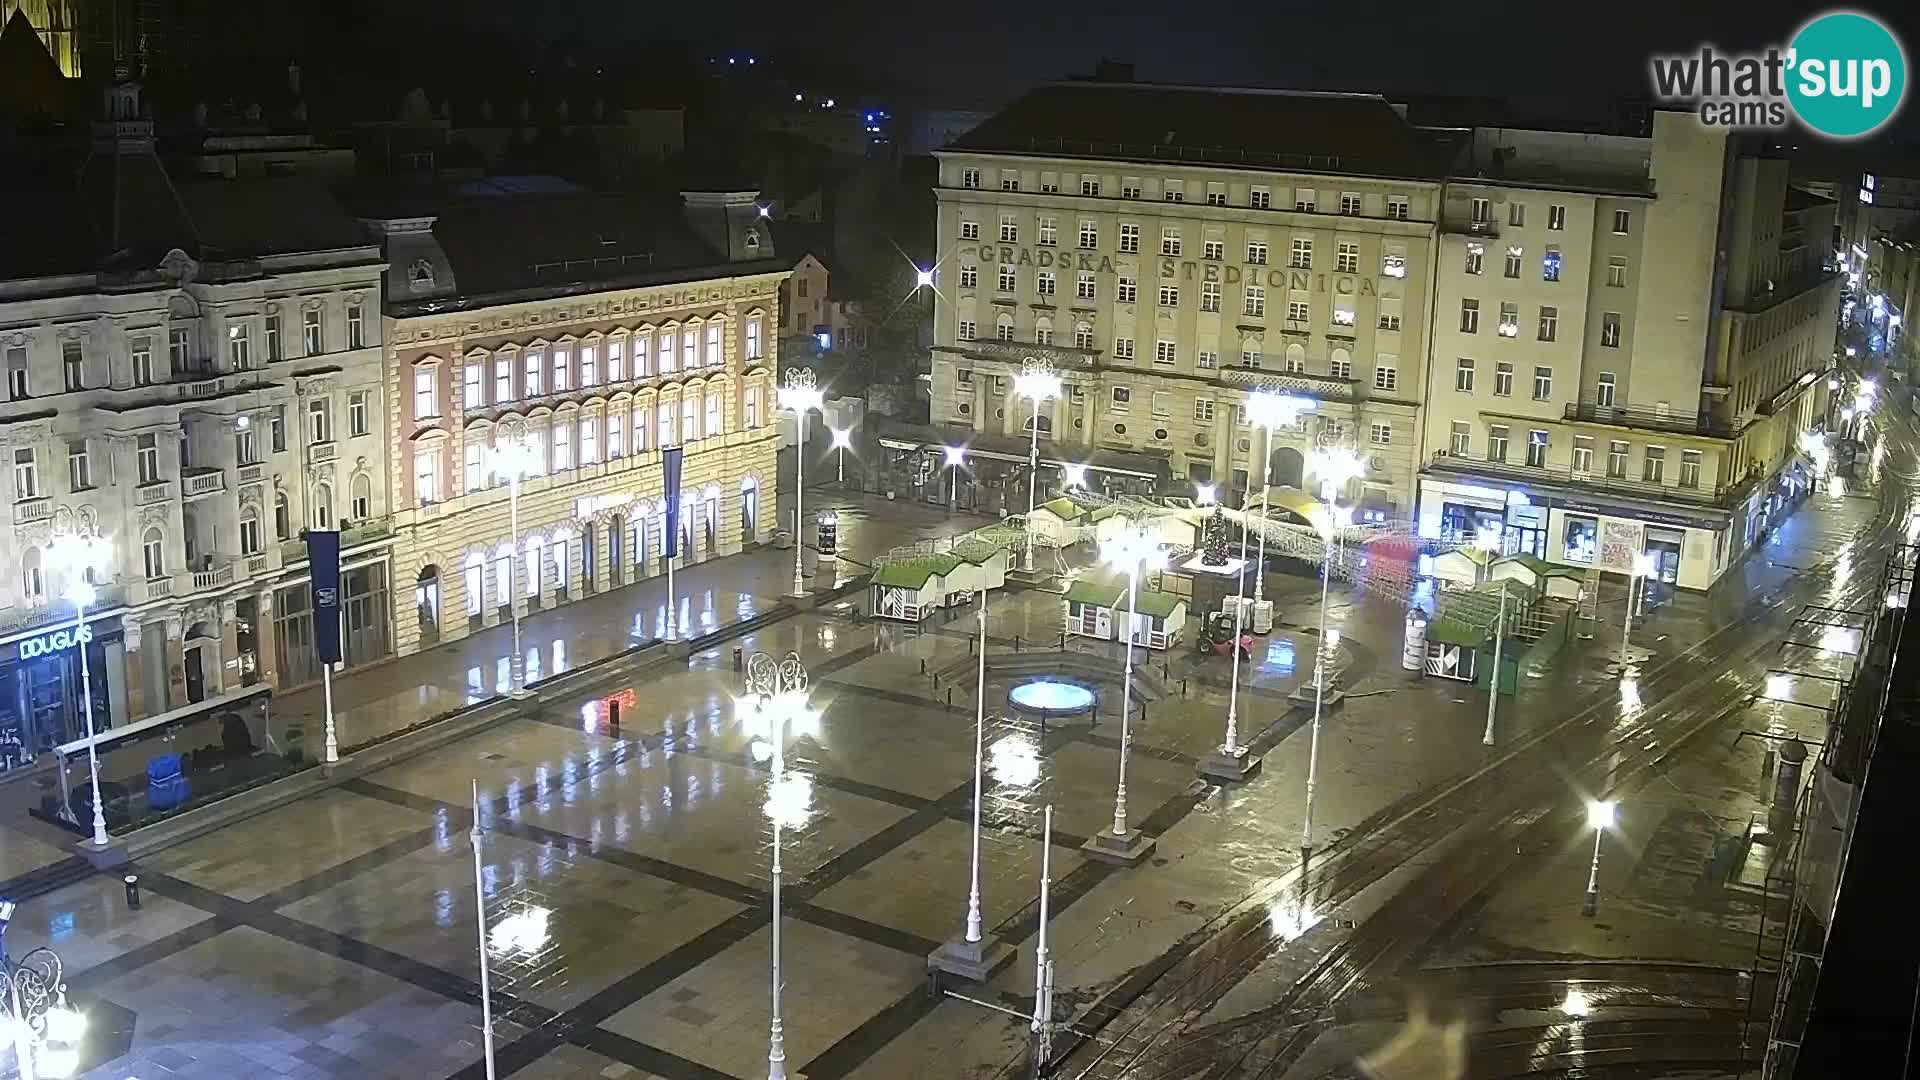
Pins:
x: 1335, y: 467
x: 513, y: 453
x: 956, y: 457
x: 1642, y: 566
x: 1232, y: 762
x: 1037, y: 383
x: 1493, y: 681
x: 1134, y: 551
x: 76, y: 555
x: 1600, y: 816
x: 480, y: 914
x: 842, y: 438
x: 800, y: 395
x: 969, y: 956
x: 777, y: 696
x: 47, y: 1031
x: 1268, y: 410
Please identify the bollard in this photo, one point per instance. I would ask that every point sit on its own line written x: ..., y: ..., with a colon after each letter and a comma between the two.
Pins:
x: 133, y: 891
x: 1063, y: 641
x: 613, y: 713
x: 949, y: 697
x: 739, y: 659
x: 923, y: 665
x: 1016, y: 643
x: 969, y: 645
x: 1183, y: 686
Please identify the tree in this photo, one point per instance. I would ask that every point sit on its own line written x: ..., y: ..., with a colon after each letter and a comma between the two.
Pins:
x: 1213, y: 540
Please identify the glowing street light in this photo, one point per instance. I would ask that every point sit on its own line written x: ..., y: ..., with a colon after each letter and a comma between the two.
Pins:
x: 922, y: 277
x: 78, y: 556
x: 1329, y: 521
x: 1643, y: 567
x: 513, y: 454
x: 1269, y: 410
x: 1205, y: 495
x: 800, y: 395
x: 1600, y: 818
x: 956, y: 457
x: 1076, y: 476
x: 842, y: 438
x: 777, y: 696
x: 1037, y: 383
x: 1135, y: 552
x: 47, y: 1031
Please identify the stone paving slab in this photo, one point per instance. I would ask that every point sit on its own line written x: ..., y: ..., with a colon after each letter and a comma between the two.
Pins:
x: 89, y: 923
x: 251, y: 858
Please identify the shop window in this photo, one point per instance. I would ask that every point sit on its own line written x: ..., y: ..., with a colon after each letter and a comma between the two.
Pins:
x: 1582, y: 538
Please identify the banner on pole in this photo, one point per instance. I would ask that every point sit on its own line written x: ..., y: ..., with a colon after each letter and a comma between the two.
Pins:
x: 323, y: 562
x: 670, y: 470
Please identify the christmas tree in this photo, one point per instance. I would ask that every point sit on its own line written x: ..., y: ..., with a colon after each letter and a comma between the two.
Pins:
x: 1213, y: 540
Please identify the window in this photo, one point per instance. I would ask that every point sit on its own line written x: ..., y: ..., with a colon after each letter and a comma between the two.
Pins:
x: 715, y: 420
x: 1389, y: 321
x: 1550, y: 265
x: 1654, y: 464
x: 1610, y: 329
x: 1350, y: 204
x: 319, y: 421
x: 1122, y: 398
x: 1343, y: 313
x: 1302, y: 258
x: 1206, y: 360
x: 80, y: 466
x: 71, y: 366
x: 969, y: 230
x: 1250, y: 355
x: 1476, y: 258
x: 562, y: 445
x: 1340, y: 366
x: 1203, y: 410
x: 1381, y: 435
x: 1129, y: 238
x: 142, y: 351
x: 1603, y: 390
x: 1514, y: 257
x: 967, y: 330
x: 1216, y: 195
x: 1162, y: 404
x: 969, y: 277
x: 1260, y: 198
x: 1347, y: 258
x: 1482, y: 211
x: 1622, y: 221
x: 751, y: 408
x: 1617, y: 459
x: 1123, y: 348
x: 277, y: 428
x: 1556, y: 217
x: 26, y: 475
x: 1213, y: 250
x: 590, y: 439
x: 562, y: 365
x: 1009, y: 279
x: 1542, y: 384
x: 311, y: 336
x: 1209, y: 296
x: 1049, y: 232
x: 1257, y: 252
x: 1461, y: 442
x: 1003, y: 328
x: 426, y: 474
x: 357, y: 413
x: 473, y: 466
x: 1516, y: 214
x: 1009, y: 180
x: 1129, y: 187
x: 1173, y: 191
x: 616, y: 351
x: 1043, y: 283
x: 1169, y: 239
x: 616, y: 433
x: 1082, y: 336
x: 473, y: 389
x: 1502, y: 379
x: 178, y: 345
x: 153, y: 555
x: 1497, y: 442
x: 502, y: 379
x: 17, y: 388
x: 1083, y: 286
x: 1469, y: 316
x: 272, y: 336
x: 1689, y: 468
x: 1297, y: 311
x: 1582, y: 539
x: 282, y: 518
x: 1255, y: 297
x: 1089, y: 234
x: 1009, y: 229
x: 1303, y: 201
x: 1509, y: 320
x: 590, y: 367
x: 1549, y: 323
x: 249, y: 533
x: 1128, y: 289
x: 1582, y: 454
x: 1617, y: 271
x: 356, y: 326
x: 1386, y: 376
x: 1169, y: 296
x: 1463, y: 375
x: 1165, y: 352
x: 426, y: 404
x: 970, y: 178
x: 1398, y: 209
x: 1537, y: 448
x: 1042, y: 333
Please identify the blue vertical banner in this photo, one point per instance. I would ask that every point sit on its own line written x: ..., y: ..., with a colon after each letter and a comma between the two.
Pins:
x: 670, y: 471
x: 323, y: 562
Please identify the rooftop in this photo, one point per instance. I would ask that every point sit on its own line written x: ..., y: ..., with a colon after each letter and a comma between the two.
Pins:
x: 1354, y: 134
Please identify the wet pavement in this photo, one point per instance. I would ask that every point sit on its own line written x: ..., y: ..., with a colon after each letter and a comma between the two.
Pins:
x: 626, y: 870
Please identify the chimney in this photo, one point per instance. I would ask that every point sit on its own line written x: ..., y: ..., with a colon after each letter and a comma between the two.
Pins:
x: 730, y: 222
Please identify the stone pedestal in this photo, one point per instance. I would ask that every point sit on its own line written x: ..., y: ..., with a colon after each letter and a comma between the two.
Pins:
x: 1224, y: 768
x: 1302, y: 696
x: 1129, y: 850
x: 974, y: 961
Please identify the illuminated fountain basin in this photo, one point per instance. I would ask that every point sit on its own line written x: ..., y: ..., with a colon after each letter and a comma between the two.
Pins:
x: 1051, y: 698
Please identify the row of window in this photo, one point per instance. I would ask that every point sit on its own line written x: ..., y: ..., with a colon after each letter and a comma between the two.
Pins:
x: 1482, y: 212
x: 1653, y: 459
x: 1258, y: 196
x: 1465, y: 370
x: 530, y: 374
x: 1547, y: 327
x: 1476, y: 264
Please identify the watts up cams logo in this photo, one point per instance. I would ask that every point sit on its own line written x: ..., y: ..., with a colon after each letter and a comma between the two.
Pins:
x: 1843, y: 76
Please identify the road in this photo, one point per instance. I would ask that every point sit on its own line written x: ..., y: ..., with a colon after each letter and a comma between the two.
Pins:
x: 1346, y: 962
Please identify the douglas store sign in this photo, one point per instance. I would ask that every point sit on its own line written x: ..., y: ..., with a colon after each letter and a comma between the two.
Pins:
x: 57, y: 641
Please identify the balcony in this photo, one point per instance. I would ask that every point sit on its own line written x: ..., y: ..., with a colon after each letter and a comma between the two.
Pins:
x: 201, y: 482
x: 1318, y: 387
x: 1468, y: 227
x: 353, y: 536
x: 1721, y: 497
x: 157, y: 491
x: 105, y: 598
x: 320, y: 452
x: 252, y: 474
x: 216, y: 572
x: 1645, y: 419
x: 36, y: 508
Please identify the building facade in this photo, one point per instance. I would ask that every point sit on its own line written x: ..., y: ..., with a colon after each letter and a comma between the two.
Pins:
x: 1172, y: 250
x: 500, y: 339
x: 1630, y: 335
x: 193, y: 385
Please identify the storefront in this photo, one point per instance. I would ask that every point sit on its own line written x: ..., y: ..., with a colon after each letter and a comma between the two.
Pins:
x: 40, y: 687
x: 366, y: 629
x: 1459, y: 514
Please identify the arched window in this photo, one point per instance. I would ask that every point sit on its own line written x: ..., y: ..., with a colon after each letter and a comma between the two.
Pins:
x: 249, y: 531
x: 1003, y: 326
x: 1046, y: 424
x: 323, y: 506
x: 153, y: 553
x: 361, y: 495
x: 33, y: 579
x: 420, y: 275
x: 282, y: 520
x: 1296, y: 358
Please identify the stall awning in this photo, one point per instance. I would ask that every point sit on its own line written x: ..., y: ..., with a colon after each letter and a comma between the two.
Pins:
x: 899, y: 435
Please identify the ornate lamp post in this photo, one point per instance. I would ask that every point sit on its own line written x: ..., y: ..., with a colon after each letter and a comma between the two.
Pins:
x: 842, y: 438
x: 800, y: 395
x: 77, y: 555
x: 1135, y: 552
x: 1334, y: 466
x: 46, y: 1030
x: 513, y: 455
x: 776, y: 697
x: 1269, y: 410
x: 1036, y: 382
x: 970, y: 956
x: 1600, y: 817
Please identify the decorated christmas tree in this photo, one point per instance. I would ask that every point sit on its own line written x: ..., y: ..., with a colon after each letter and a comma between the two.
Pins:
x: 1213, y: 540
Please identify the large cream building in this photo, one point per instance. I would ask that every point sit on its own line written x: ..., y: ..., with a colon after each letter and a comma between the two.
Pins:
x: 1171, y: 250
x: 593, y: 330
x: 1629, y: 337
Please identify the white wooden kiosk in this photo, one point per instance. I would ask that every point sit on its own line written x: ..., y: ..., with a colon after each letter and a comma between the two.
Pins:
x: 1096, y: 607
x: 913, y: 589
